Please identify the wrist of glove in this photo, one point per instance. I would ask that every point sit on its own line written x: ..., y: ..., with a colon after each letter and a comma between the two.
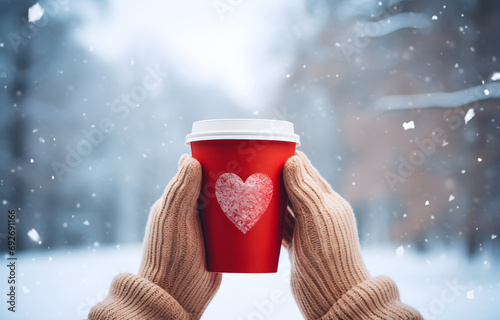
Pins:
x: 134, y: 297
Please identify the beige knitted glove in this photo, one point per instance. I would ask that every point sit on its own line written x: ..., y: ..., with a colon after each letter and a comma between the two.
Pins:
x: 173, y: 282
x: 329, y: 278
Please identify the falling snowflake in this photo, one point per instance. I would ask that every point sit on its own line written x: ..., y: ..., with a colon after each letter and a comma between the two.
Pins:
x: 469, y: 115
x: 451, y: 198
x: 409, y: 125
x: 34, y: 236
x: 35, y: 12
x: 493, y: 236
x: 400, y: 251
x: 470, y: 294
x: 495, y: 76
x: 86, y: 222
x: 25, y: 290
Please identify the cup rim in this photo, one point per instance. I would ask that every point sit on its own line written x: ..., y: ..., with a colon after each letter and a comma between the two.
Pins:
x: 243, y: 129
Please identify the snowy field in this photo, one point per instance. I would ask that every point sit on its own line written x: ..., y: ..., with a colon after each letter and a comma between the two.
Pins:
x: 65, y: 284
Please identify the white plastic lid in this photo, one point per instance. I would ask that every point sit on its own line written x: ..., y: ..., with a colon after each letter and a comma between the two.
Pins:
x: 242, y: 129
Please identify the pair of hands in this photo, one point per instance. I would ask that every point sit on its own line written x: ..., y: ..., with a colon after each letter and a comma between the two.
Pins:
x: 320, y: 249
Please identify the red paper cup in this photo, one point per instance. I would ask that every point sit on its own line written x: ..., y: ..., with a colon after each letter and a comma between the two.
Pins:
x: 242, y: 200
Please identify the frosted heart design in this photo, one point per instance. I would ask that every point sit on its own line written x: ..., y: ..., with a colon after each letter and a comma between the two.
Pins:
x: 244, y: 202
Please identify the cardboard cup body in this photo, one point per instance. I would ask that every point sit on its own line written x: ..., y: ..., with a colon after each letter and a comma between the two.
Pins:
x: 242, y: 202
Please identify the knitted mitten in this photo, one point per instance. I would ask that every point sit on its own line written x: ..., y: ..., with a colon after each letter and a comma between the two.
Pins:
x: 329, y: 278
x: 173, y: 282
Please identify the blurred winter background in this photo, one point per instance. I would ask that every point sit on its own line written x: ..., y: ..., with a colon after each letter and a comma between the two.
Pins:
x: 397, y: 104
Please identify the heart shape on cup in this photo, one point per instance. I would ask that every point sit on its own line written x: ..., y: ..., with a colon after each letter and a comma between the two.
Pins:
x: 244, y: 202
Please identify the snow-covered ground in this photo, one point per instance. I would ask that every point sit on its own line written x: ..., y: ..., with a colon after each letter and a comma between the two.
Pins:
x: 442, y: 284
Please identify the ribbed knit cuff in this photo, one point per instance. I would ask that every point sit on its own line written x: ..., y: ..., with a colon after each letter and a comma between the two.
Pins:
x: 374, y: 298
x: 135, y: 298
